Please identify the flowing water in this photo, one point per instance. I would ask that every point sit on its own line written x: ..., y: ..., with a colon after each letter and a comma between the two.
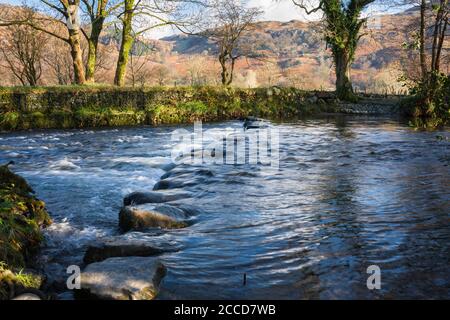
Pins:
x: 349, y: 193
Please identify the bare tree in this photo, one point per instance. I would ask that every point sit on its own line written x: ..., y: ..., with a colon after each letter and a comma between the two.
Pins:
x: 429, y: 33
x: 441, y: 9
x: 59, y: 62
x: 23, y: 50
x: 230, y: 20
x: 195, y: 67
x: 161, y: 74
x: 138, y: 66
x: 429, y: 38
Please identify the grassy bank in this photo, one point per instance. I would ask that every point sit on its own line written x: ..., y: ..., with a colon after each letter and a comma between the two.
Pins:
x: 22, y: 216
x: 106, y: 106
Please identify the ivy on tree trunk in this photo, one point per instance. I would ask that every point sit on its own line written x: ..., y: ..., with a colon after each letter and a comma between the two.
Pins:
x: 126, y: 45
x: 343, y: 24
x: 98, y: 16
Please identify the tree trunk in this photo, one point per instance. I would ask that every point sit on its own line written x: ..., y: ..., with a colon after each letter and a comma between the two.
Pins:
x: 344, y: 87
x: 224, y: 74
x: 436, y: 34
x: 97, y: 27
x: 77, y: 56
x: 91, y: 61
x: 437, y: 65
x: 126, y: 45
x: 231, y: 75
x: 93, y: 50
x: 423, y: 61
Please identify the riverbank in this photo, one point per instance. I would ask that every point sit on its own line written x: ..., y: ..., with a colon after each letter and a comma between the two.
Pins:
x: 23, y: 108
x: 22, y: 216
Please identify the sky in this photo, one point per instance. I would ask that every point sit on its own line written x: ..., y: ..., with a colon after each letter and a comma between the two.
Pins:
x: 273, y: 10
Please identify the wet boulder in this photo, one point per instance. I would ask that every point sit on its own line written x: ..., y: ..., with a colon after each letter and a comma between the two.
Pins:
x: 138, y: 198
x: 168, y: 184
x: 119, y: 247
x: 148, y: 216
x: 183, y: 172
x: 255, y: 123
x: 124, y: 278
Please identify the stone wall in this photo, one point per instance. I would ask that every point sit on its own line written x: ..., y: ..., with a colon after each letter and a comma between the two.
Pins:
x: 79, y: 107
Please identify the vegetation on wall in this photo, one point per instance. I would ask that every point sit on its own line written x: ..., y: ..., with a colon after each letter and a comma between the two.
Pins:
x: 98, y: 106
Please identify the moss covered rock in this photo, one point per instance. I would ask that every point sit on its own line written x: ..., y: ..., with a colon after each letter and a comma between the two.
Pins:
x: 148, y: 216
x: 22, y: 216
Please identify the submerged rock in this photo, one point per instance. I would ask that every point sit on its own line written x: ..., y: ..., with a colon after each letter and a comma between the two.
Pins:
x: 182, y: 172
x: 145, y: 216
x: 130, y: 278
x: 138, y: 198
x: 120, y: 247
x: 170, y: 184
x: 255, y: 123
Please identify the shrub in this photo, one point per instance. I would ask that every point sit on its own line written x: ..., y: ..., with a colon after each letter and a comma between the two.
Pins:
x: 429, y: 103
x: 10, y: 120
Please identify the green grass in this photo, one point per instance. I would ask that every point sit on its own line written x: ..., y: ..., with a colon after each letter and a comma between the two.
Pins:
x: 18, y: 279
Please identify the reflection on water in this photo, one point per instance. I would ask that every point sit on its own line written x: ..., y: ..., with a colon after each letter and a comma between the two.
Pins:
x: 350, y: 193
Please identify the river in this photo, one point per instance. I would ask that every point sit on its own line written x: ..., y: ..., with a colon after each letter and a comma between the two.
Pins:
x: 350, y: 192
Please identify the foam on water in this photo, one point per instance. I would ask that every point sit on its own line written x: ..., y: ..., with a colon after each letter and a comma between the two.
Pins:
x: 155, y: 162
x: 64, y: 164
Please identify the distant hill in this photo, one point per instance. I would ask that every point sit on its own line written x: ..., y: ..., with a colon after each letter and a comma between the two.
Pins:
x: 291, y: 41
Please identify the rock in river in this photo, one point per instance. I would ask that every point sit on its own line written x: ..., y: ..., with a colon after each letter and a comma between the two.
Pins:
x: 137, y: 198
x: 255, y: 123
x: 121, y: 247
x: 127, y: 245
x: 130, y: 278
x: 148, y: 216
